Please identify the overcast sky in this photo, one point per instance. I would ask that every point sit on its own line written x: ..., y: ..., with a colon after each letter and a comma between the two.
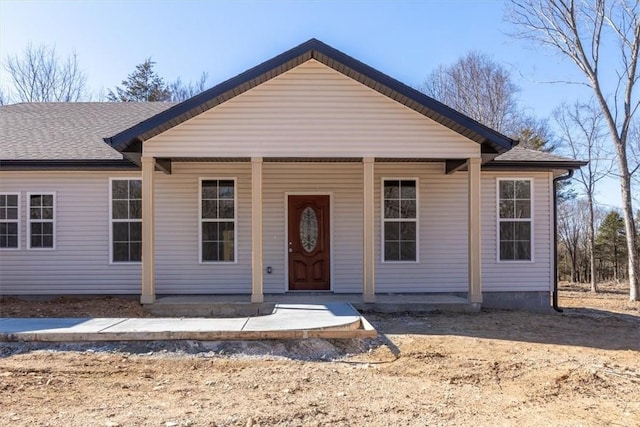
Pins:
x: 403, y: 39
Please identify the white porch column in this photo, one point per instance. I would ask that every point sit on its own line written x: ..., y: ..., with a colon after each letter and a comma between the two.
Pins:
x: 368, y: 274
x: 148, y: 295
x: 475, y: 279
x: 257, y: 292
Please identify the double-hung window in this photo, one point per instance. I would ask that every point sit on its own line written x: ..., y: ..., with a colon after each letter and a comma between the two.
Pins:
x: 126, y: 220
x: 514, y: 219
x: 218, y: 220
x: 9, y: 220
x: 400, y: 220
x: 41, y: 226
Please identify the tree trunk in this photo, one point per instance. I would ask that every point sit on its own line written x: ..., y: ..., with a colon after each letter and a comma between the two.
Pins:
x: 592, y: 246
x: 630, y: 229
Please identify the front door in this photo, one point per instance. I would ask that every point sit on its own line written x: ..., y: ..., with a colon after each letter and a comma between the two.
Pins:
x: 308, y: 246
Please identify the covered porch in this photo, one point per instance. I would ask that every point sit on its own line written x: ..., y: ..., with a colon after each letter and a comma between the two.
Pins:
x: 154, y: 169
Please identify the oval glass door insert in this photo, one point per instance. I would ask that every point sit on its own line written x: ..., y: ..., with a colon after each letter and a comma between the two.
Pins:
x: 308, y: 229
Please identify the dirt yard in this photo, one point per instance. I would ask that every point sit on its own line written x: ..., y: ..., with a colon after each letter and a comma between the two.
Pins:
x: 581, y: 367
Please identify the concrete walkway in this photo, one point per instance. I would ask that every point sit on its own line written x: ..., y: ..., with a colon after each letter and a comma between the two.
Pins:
x: 288, y: 321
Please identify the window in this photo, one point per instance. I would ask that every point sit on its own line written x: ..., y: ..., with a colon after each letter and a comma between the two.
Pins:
x: 514, y: 219
x: 9, y: 221
x: 218, y: 220
x: 126, y: 220
x: 399, y: 219
x: 41, y: 221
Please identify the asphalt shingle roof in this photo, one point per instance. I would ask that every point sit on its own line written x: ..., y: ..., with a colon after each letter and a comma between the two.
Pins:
x: 520, y: 154
x: 68, y: 131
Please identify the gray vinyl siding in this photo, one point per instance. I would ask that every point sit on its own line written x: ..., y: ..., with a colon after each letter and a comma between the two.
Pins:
x: 79, y: 264
x: 442, y: 228
x: 507, y: 276
x: 178, y: 268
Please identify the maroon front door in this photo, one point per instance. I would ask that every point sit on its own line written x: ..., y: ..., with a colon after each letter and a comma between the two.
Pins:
x: 308, y: 246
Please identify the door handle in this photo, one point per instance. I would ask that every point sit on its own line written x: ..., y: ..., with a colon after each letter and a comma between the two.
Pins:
x: 290, y: 247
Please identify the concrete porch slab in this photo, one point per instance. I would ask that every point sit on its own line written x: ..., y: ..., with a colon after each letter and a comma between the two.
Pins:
x: 286, y: 322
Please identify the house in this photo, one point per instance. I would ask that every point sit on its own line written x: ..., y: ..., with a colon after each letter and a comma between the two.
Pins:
x: 309, y: 172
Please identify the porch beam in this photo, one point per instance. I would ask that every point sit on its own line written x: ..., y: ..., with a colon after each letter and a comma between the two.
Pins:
x: 148, y: 294
x: 368, y: 275
x: 452, y: 166
x: 475, y: 259
x: 257, y: 292
x: 164, y: 165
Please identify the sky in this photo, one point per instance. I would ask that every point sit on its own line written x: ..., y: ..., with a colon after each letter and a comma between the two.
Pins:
x: 404, y: 39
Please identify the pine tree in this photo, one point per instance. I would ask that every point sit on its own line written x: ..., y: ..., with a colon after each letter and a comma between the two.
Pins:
x: 143, y: 85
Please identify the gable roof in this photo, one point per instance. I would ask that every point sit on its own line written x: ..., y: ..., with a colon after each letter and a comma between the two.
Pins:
x: 492, y: 141
x: 59, y: 132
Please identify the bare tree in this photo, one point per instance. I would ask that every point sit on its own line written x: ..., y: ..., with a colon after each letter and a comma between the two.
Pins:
x: 578, y: 30
x: 583, y: 133
x: 182, y: 91
x: 570, y: 229
x: 40, y: 75
x: 478, y: 87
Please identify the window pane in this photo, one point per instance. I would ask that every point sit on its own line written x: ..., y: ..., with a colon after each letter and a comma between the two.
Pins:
x: 47, y: 200
x: 225, y: 209
x: 507, y: 230
x: 226, y: 231
x: 35, y: 201
x: 47, y: 241
x: 209, y: 209
x: 408, y: 189
x: 36, y: 241
x: 225, y: 189
x: 120, y: 209
x: 119, y: 189
x: 408, y: 231
x: 209, y: 189
x: 523, y: 209
x: 120, y: 252
x: 391, y: 231
x: 523, y: 250
x: 135, y: 231
x: 12, y: 200
x: 507, y: 208
x: 408, y: 251
x: 3, y: 200
x: 391, y: 209
x: 36, y: 228
x: 392, y: 189
x: 392, y: 251
x: 506, y: 189
x: 11, y: 242
x: 506, y: 251
x: 120, y: 231
x: 47, y: 228
x: 135, y: 209
x: 210, y: 251
x: 135, y: 252
x: 12, y: 228
x: 523, y: 189
x: 522, y: 231
x: 3, y: 213
x: 408, y: 209
x: 135, y: 189
x: 226, y: 251
x: 35, y: 213
x: 47, y: 213
x: 210, y: 231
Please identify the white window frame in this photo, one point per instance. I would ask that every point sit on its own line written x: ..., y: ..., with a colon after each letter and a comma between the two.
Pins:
x: 530, y: 220
x: 52, y: 221
x: 235, y: 219
x: 17, y: 221
x: 111, y: 220
x: 383, y: 220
